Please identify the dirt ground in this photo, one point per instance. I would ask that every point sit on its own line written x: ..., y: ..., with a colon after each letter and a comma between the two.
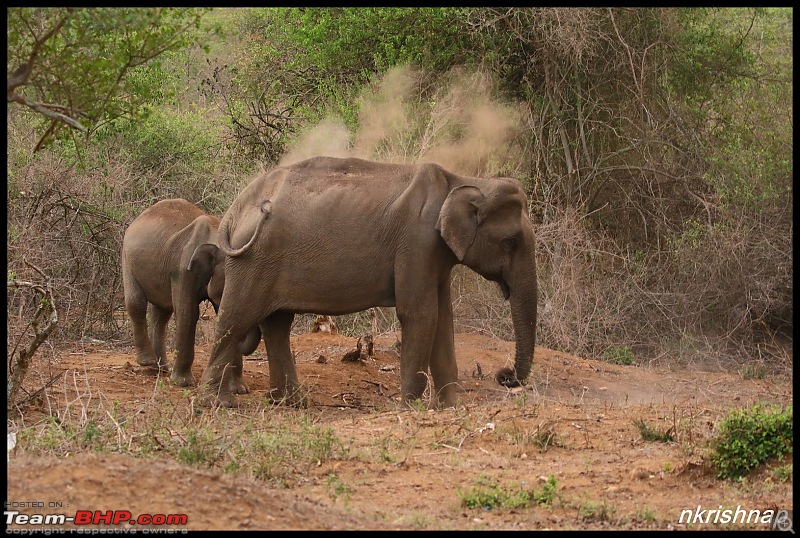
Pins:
x: 410, y: 468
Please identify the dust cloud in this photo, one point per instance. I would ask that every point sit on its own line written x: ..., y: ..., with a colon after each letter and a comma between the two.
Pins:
x: 329, y: 137
x: 403, y: 120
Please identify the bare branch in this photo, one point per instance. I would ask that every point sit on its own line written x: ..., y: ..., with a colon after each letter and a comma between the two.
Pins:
x: 19, y: 365
x: 47, y: 110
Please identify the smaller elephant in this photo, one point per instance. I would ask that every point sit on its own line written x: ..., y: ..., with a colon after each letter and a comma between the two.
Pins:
x: 170, y: 264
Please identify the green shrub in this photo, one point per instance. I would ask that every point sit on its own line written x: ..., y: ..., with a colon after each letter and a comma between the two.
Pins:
x: 748, y: 437
x: 201, y: 448
x: 619, y: 355
x: 169, y: 137
x: 488, y: 494
x: 548, y: 493
x: 783, y: 473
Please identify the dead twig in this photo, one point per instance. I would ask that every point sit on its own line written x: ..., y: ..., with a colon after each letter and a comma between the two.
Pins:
x: 45, y: 310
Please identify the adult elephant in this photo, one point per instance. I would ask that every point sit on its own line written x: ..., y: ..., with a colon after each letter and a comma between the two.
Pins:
x: 336, y: 236
x: 170, y: 264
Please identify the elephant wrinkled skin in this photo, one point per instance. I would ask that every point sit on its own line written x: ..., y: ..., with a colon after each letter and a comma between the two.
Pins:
x: 336, y: 236
x: 170, y: 264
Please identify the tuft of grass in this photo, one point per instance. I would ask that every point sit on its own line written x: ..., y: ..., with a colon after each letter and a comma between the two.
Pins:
x: 279, y: 447
x: 420, y: 520
x: 279, y: 453
x: 750, y: 436
x: 201, y: 448
x: 336, y: 488
x: 386, y: 444
x: 650, y: 433
x: 783, y: 473
x: 419, y: 405
x: 55, y: 435
x: 488, y: 494
x: 595, y: 511
x: 753, y: 371
x: 544, y: 438
x: 646, y: 514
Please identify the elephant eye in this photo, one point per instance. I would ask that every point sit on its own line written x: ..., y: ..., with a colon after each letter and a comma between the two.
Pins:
x: 509, y: 244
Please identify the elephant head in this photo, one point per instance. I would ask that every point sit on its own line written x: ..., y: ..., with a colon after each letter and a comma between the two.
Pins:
x: 208, y: 266
x: 488, y: 230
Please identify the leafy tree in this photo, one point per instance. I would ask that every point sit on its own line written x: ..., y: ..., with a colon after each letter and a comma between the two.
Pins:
x: 71, y: 64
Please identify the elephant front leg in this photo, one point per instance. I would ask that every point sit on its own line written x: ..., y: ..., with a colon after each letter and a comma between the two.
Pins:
x: 236, y: 383
x: 418, y: 323
x: 223, y: 377
x: 221, y: 380
x: 186, y: 317
x: 136, y: 306
x: 159, y: 318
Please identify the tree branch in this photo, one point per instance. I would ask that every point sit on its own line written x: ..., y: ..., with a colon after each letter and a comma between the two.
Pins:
x: 46, y: 110
x: 22, y: 74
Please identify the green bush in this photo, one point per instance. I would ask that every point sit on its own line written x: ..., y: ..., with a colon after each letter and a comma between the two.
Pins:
x: 619, y: 355
x: 748, y: 437
x: 167, y: 138
x: 488, y: 494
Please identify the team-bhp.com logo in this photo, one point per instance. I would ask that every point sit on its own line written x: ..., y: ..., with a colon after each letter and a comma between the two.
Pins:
x: 89, y: 517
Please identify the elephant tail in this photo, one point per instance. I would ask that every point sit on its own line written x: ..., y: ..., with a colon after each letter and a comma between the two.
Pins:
x: 225, y: 229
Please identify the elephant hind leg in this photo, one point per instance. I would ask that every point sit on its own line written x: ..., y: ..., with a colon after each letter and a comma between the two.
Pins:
x: 284, y: 385
x: 444, y: 368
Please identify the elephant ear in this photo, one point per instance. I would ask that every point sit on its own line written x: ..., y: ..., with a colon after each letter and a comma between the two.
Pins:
x: 202, y: 263
x: 458, y: 219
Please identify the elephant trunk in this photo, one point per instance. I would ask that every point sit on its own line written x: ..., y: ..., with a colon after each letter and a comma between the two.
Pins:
x: 523, y: 296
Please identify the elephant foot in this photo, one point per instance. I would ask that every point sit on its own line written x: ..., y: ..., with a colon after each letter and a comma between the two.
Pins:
x: 412, y: 395
x: 220, y: 390
x: 447, y: 398
x: 212, y: 399
x: 238, y: 386
x: 153, y: 363
x: 182, y: 379
x: 295, y: 397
